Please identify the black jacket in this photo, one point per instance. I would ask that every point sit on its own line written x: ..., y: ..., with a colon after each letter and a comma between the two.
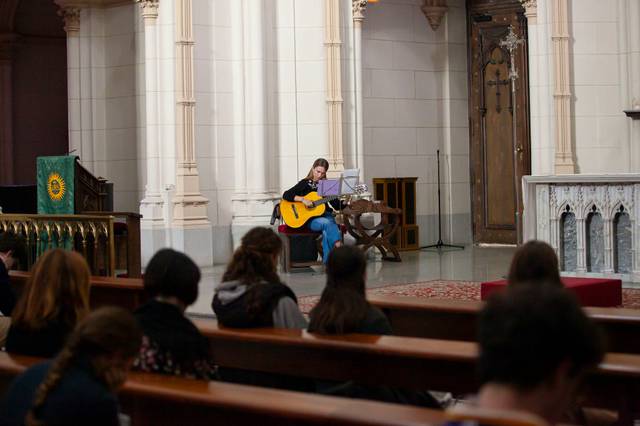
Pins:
x: 264, y: 297
x: 45, y: 342
x: 304, y: 187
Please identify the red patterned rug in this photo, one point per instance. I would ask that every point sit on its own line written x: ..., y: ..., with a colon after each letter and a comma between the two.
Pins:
x: 446, y: 289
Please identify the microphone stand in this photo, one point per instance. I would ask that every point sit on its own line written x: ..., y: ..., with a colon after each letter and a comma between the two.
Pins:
x: 439, y: 244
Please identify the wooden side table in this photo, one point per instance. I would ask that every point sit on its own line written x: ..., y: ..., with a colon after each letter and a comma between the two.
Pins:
x: 378, y: 235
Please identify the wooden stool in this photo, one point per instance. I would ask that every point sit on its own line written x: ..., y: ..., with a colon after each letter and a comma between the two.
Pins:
x: 286, y: 233
x: 378, y: 235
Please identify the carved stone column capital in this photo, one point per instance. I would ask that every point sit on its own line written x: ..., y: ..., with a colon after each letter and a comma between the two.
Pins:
x: 358, y: 6
x: 71, y: 17
x: 149, y: 10
x: 530, y: 10
x: 434, y: 11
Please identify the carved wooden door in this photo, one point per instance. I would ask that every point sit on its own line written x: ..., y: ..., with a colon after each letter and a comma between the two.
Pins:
x: 495, y: 199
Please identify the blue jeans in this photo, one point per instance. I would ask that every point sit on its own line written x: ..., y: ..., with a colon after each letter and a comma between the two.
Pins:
x: 330, y: 233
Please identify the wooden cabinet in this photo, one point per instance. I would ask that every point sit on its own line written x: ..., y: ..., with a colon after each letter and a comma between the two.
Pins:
x: 401, y: 193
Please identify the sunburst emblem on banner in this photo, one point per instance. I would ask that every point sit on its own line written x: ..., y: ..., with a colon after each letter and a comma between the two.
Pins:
x: 56, y: 187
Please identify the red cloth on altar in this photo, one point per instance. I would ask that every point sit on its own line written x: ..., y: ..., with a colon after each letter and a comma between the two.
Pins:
x: 604, y: 292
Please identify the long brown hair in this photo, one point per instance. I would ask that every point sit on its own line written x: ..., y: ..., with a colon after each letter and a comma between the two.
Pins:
x: 535, y: 262
x: 253, y: 262
x: 109, y: 338
x: 342, y: 306
x: 57, y: 290
x: 319, y: 162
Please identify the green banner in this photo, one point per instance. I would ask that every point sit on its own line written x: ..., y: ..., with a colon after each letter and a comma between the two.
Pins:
x: 55, y: 184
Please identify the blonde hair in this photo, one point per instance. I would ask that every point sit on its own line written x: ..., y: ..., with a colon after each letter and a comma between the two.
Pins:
x: 57, y: 290
x: 319, y: 162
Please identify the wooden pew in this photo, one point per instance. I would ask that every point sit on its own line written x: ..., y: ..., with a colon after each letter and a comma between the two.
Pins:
x: 412, y: 317
x: 429, y: 318
x: 408, y: 362
x: 456, y: 319
x: 152, y: 399
x: 125, y: 292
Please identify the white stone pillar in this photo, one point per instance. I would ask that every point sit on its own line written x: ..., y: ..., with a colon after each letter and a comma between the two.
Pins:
x: 358, y: 8
x: 151, y: 207
x: 190, y: 226
x: 71, y: 17
x: 255, y: 112
x: 333, y: 43
x: 564, y: 162
x: 253, y: 200
x: 631, y: 26
x: 189, y: 206
x: 607, y: 225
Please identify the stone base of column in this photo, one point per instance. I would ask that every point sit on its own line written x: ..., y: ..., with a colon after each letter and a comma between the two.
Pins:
x: 152, y: 211
x: 190, y: 211
x: 564, y: 166
x: 196, y: 242
x: 152, y: 240
x: 249, y: 212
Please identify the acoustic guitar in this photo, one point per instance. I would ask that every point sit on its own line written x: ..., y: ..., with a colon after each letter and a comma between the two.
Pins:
x: 295, y: 214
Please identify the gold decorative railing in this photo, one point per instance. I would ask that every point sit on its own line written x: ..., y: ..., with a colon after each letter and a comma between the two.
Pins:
x: 91, y: 236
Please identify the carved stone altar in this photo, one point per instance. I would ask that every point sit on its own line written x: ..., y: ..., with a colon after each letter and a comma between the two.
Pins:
x: 590, y: 220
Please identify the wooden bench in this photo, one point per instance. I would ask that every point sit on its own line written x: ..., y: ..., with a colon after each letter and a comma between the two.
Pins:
x: 413, y: 317
x: 415, y: 363
x: 152, y: 399
x: 456, y: 320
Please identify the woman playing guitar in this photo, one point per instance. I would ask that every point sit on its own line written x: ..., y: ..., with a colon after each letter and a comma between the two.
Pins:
x: 326, y: 223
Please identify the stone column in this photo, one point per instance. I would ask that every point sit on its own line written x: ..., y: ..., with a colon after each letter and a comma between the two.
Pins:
x: 253, y: 199
x: 190, y: 226
x: 564, y: 158
x: 6, y: 107
x: 358, y: 8
x: 631, y: 27
x: 189, y: 206
x: 334, y: 85
x: 71, y: 17
x: 151, y: 207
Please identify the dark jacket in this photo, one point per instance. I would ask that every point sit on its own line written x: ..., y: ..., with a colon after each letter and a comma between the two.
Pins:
x: 172, y: 344
x: 304, y: 187
x: 232, y: 299
x: 45, y: 342
x: 375, y: 322
x: 7, y: 297
x: 276, y: 305
x: 78, y: 399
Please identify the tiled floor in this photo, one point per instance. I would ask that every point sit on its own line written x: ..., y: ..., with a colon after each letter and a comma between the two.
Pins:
x: 472, y: 263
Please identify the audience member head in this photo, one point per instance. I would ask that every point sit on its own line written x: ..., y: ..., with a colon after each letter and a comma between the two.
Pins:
x: 108, y: 338
x: 536, y: 343
x: 535, y: 262
x: 342, y: 305
x: 172, y: 274
x: 256, y: 259
x: 12, y: 250
x: 56, y: 291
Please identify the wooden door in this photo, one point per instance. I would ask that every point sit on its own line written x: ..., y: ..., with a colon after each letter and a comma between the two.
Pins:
x: 495, y: 198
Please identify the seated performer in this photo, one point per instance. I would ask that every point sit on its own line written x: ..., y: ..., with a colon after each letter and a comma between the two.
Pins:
x: 326, y: 223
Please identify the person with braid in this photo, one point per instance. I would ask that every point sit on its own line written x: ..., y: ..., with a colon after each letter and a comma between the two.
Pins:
x: 171, y: 343
x: 55, y: 298
x: 251, y: 293
x: 79, y: 386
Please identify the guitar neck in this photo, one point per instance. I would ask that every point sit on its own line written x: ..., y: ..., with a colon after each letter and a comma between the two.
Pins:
x: 325, y: 200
